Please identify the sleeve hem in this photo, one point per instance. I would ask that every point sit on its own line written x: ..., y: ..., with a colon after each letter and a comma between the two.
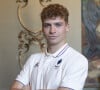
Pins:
x: 73, y: 87
x: 22, y: 82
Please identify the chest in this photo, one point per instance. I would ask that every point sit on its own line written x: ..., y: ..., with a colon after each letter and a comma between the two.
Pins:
x: 47, y: 73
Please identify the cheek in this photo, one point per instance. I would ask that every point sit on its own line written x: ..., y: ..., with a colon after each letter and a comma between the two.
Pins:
x: 63, y: 31
x: 45, y: 30
x: 45, y: 33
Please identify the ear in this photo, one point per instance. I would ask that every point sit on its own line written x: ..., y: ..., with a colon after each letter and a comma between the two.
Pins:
x: 67, y: 27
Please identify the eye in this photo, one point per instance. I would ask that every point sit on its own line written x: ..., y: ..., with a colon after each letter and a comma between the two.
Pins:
x: 58, y: 24
x: 46, y: 25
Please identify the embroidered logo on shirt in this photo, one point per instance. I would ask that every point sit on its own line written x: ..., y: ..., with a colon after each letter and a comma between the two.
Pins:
x: 58, y: 63
x: 37, y: 64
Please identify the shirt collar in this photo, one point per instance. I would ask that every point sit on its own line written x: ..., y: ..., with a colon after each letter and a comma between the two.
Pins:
x: 58, y: 52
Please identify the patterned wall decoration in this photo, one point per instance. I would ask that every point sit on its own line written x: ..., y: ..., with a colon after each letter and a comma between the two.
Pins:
x: 28, y: 37
x: 91, y: 39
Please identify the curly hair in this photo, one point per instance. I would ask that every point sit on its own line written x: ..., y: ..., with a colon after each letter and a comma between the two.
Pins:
x: 53, y: 11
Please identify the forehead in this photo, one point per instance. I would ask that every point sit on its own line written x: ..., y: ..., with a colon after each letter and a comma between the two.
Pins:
x: 54, y: 19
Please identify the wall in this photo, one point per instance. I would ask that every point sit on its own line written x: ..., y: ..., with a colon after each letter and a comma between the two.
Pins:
x: 10, y: 27
x: 8, y: 43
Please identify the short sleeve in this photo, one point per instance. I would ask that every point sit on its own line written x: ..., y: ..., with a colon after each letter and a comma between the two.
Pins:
x: 75, y: 75
x: 24, y: 75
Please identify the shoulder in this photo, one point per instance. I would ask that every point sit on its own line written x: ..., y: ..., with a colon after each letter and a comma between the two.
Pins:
x: 73, y: 57
x: 76, y: 54
x: 31, y: 61
x: 34, y: 57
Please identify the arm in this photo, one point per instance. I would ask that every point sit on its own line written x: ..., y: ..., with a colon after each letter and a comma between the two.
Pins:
x: 23, y: 76
x: 64, y: 88
x: 73, y: 77
x: 17, y: 85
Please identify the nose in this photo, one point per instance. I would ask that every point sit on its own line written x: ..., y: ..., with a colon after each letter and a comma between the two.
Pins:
x: 52, y: 29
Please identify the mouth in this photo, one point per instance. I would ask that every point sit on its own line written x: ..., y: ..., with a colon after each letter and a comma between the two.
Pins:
x: 52, y: 37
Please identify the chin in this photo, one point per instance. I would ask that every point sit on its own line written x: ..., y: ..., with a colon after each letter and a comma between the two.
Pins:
x: 52, y: 43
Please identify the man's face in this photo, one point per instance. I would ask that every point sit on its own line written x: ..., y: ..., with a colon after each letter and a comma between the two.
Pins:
x: 54, y: 30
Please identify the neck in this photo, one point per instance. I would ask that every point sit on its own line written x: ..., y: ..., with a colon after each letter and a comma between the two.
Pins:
x: 54, y: 48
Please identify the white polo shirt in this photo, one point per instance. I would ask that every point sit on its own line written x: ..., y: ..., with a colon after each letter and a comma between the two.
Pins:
x: 65, y: 68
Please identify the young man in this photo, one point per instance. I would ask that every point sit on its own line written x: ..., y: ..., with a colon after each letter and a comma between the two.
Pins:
x: 60, y: 67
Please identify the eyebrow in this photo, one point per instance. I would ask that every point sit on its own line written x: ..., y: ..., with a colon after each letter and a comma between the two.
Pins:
x: 53, y: 23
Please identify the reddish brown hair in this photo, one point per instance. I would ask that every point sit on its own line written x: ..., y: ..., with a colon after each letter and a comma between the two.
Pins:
x: 53, y: 11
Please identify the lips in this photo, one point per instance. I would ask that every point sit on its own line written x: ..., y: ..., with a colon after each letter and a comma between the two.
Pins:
x: 52, y: 37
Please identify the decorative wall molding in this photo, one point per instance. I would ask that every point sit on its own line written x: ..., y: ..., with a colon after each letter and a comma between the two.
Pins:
x: 28, y: 37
